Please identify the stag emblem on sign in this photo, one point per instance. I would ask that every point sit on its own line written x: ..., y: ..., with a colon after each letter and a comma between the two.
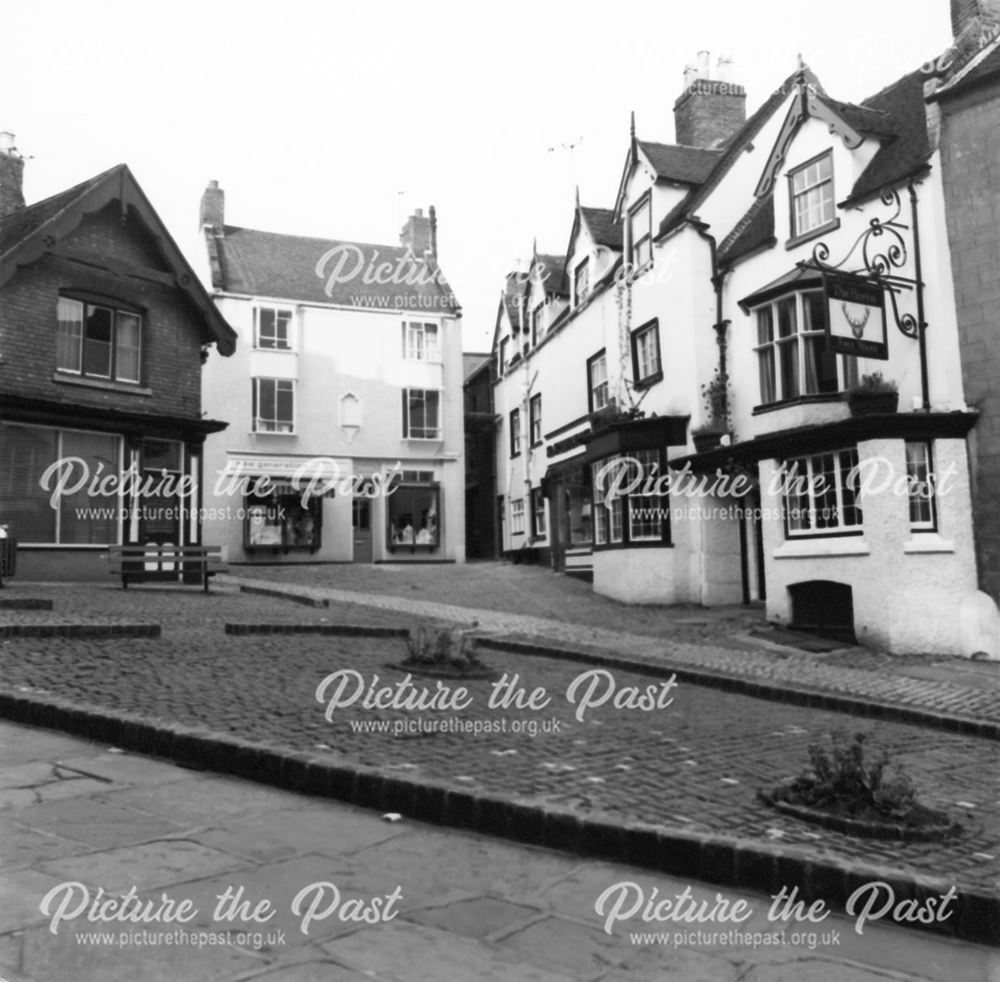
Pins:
x: 857, y: 323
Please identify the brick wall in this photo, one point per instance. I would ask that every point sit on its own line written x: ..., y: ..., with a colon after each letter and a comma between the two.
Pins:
x: 171, y: 341
x: 970, y: 152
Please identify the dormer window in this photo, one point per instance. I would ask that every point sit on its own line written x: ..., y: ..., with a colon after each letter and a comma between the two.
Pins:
x: 98, y: 341
x: 640, y: 223
x: 504, y: 357
x: 811, y: 189
x: 272, y: 330
x: 581, y: 281
x: 536, y: 323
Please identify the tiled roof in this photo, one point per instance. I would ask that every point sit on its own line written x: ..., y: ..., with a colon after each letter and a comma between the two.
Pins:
x: 974, y: 71
x: 17, y: 226
x: 554, y: 268
x: 604, y: 229
x: 327, y: 271
x: 472, y: 362
x: 864, y: 119
x: 754, y: 229
x: 26, y: 234
x: 907, y: 151
x: 685, y: 165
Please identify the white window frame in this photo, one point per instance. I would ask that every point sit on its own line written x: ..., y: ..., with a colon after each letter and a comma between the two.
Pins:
x: 598, y: 391
x: 280, y: 313
x: 641, y: 238
x: 517, y: 517
x: 920, y: 480
x: 803, y: 481
x: 515, y: 432
x: 535, y: 419
x: 276, y: 426
x: 426, y: 432
x: 647, y: 359
x: 581, y: 281
x: 79, y: 339
x: 812, y: 205
x: 770, y: 344
x: 415, y: 341
x: 538, y: 514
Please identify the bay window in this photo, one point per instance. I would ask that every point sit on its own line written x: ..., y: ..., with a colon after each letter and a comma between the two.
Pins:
x: 792, y: 359
x: 623, y: 515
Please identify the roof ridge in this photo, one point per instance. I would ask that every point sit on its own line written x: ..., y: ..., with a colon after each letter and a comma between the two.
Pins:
x: 314, y: 238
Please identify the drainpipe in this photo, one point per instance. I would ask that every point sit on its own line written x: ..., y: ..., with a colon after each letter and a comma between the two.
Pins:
x: 718, y: 276
x: 921, y: 324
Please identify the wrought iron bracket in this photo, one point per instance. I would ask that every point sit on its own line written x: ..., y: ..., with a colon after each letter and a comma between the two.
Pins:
x: 881, y: 250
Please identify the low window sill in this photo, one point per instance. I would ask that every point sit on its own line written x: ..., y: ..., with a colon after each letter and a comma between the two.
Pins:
x: 797, y: 240
x: 272, y: 433
x: 927, y: 542
x: 843, y: 545
x: 645, y: 383
x: 128, y: 388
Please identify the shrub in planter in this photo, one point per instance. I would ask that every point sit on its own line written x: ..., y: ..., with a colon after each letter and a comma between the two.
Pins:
x: 716, y: 396
x: 849, y: 793
x: 873, y: 394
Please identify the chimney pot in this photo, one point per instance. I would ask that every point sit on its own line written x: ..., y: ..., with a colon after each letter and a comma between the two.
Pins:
x: 703, y: 71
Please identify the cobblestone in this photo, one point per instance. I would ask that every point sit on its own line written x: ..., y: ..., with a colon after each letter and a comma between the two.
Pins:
x: 694, y: 765
x: 883, y: 678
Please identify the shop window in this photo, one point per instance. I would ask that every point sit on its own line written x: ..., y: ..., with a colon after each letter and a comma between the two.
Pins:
x: 628, y: 517
x: 579, y: 515
x: 821, y: 495
x: 277, y: 519
x: 77, y: 519
x: 414, y: 512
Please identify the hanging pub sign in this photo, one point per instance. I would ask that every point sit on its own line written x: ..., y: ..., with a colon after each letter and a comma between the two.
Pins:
x: 856, y: 316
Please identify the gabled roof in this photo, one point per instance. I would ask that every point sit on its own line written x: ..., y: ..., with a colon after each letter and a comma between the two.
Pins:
x: 326, y: 271
x: 26, y: 234
x: 603, y: 228
x: 731, y: 152
x: 553, y: 274
x: 674, y: 162
x: 909, y: 149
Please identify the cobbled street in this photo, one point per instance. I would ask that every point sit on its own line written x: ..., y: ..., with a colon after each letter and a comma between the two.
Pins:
x: 695, y: 764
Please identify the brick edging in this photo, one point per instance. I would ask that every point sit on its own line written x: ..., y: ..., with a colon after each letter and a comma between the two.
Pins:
x: 79, y: 630
x: 796, y: 695
x: 298, y: 598
x: 718, y: 860
x: 338, y: 630
x: 25, y: 603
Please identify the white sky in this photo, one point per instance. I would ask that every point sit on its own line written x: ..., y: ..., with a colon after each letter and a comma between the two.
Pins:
x: 338, y: 119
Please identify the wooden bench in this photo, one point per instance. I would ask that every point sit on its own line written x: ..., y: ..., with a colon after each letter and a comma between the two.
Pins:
x: 154, y: 562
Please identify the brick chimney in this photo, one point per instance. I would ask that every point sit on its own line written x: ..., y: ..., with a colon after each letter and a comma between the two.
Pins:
x: 213, y: 207
x: 420, y: 233
x: 982, y: 16
x: 11, y: 176
x: 711, y: 109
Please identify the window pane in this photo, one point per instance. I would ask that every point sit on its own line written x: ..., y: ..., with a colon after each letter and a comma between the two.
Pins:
x: 83, y: 519
x: 413, y: 516
x: 127, y: 327
x: 765, y: 362
x: 25, y: 453
x: 69, y: 334
x: 97, y: 342
x: 788, y: 354
x: 765, y: 326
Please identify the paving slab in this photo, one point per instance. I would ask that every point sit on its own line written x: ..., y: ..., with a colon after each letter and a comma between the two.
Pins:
x: 471, y: 907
